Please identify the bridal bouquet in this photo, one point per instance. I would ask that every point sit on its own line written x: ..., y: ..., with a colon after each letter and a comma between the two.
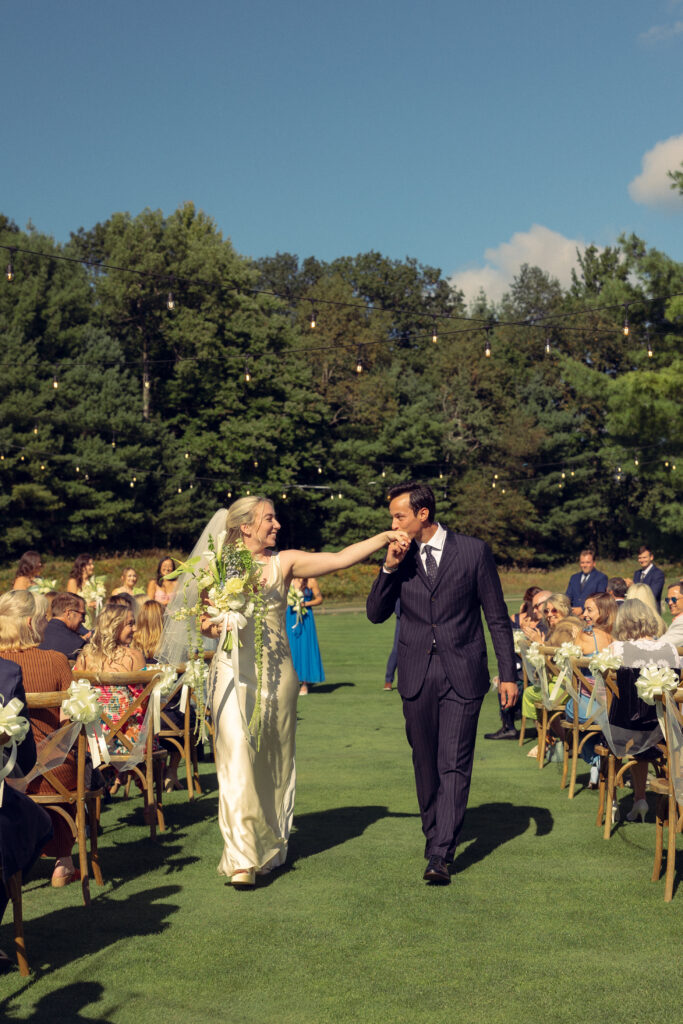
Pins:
x: 295, y: 600
x: 229, y: 585
x: 94, y: 592
x: 43, y: 586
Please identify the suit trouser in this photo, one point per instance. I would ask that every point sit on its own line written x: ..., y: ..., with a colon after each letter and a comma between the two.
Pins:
x: 441, y: 728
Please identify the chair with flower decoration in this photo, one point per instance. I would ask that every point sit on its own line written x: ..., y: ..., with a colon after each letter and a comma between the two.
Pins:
x: 83, y: 798
x: 579, y: 733
x: 669, y: 790
x: 182, y: 736
x: 550, y: 704
x: 131, y: 746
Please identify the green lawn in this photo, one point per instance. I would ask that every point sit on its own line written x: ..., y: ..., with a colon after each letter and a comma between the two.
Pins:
x: 544, y: 919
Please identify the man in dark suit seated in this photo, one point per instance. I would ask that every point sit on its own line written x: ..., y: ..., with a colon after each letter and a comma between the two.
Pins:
x: 25, y: 828
x: 649, y: 573
x: 443, y: 580
x: 585, y: 583
x: 62, y: 632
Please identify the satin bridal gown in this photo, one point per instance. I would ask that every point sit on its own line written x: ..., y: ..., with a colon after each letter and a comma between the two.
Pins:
x: 256, y: 787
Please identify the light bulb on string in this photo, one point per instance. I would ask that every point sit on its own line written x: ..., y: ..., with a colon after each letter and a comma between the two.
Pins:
x: 255, y: 463
x: 340, y: 495
x: 42, y: 465
x: 626, y: 330
x: 180, y: 490
x: 9, y: 273
x: 313, y: 320
x: 635, y: 462
x: 435, y: 336
x: 248, y: 492
x: 384, y: 473
x: 440, y: 475
x: 113, y: 442
x: 187, y: 455
x: 229, y: 494
x: 35, y: 430
x: 170, y: 301
x: 284, y: 495
x: 320, y: 469
x: 78, y: 469
x: 247, y: 375
x: 649, y: 349
x: 146, y: 383
x: 55, y: 382
x: 547, y: 346
x: 22, y: 459
x: 487, y: 347
x: 359, y: 360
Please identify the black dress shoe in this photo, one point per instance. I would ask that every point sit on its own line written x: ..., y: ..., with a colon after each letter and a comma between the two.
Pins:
x: 437, y: 872
x: 502, y: 734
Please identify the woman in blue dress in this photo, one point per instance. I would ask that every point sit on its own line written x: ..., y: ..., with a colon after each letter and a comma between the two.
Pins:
x: 304, y: 594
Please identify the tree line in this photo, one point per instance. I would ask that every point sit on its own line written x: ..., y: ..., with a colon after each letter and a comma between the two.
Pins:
x: 124, y: 423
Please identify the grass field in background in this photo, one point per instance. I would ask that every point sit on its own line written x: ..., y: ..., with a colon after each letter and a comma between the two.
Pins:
x: 543, y: 920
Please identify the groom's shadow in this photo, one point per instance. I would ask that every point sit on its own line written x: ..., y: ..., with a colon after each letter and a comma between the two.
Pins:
x: 321, y: 830
x: 327, y: 687
x: 490, y: 825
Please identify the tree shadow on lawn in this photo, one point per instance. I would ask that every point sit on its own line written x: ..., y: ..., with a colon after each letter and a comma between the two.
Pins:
x: 65, y: 935
x: 491, y: 825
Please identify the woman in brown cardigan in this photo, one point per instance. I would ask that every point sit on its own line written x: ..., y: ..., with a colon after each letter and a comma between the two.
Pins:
x: 43, y: 672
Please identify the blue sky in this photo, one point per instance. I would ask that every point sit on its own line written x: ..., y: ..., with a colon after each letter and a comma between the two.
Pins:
x: 471, y: 136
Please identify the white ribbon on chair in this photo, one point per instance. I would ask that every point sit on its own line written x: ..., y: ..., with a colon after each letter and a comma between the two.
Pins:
x: 83, y: 706
x: 14, y: 729
x: 166, y: 680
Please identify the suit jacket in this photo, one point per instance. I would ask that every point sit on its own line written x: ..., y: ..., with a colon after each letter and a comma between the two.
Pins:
x: 11, y: 685
x: 577, y: 592
x: 448, y: 612
x: 58, y: 637
x: 654, y: 579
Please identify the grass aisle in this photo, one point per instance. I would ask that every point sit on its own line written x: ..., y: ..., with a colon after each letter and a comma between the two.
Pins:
x: 544, y: 919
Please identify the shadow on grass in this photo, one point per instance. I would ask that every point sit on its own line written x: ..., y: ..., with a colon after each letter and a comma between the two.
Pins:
x: 65, y: 935
x: 490, y: 825
x: 326, y: 687
x: 321, y: 830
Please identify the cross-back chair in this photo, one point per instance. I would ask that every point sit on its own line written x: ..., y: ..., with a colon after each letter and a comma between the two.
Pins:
x: 13, y: 884
x: 668, y: 813
x: 82, y: 798
x: 577, y: 733
x: 149, y: 770
x: 182, y: 738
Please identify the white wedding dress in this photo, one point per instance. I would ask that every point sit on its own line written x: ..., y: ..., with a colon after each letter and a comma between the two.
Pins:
x: 256, y: 787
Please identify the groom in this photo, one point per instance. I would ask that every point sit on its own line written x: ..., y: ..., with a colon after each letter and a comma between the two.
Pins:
x: 444, y: 580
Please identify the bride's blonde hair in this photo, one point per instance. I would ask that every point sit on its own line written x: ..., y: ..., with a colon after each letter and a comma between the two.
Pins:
x: 241, y: 513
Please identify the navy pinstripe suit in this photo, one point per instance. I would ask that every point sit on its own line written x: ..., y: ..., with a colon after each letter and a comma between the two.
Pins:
x: 442, y: 671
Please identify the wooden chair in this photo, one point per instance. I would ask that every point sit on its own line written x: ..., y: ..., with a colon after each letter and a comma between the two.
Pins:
x: 577, y: 733
x: 183, y: 739
x: 149, y: 772
x: 13, y: 884
x: 81, y: 797
x: 668, y: 811
x: 550, y: 711
x: 522, y: 722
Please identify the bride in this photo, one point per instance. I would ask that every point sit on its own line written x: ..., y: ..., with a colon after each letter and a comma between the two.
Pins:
x: 256, y: 786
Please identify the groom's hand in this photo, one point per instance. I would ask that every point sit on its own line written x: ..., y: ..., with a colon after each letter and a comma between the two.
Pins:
x: 396, y: 551
x: 508, y: 694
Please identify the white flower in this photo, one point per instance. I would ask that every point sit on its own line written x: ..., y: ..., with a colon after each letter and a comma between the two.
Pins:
x: 603, y: 662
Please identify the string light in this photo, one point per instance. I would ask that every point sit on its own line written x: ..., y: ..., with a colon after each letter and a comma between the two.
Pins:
x: 340, y: 495
x: 487, y: 347
x: 255, y: 463
x: 284, y: 495
x: 649, y: 349
x: 187, y: 455
x: 247, y: 375
x: 313, y: 320
x: 230, y: 494
x: 170, y: 301
x: 359, y: 361
x: 320, y: 469
x: 146, y: 381
x: 635, y: 462
x: 55, y: 382
x: 35, y: 430
x: 9, y: 273
x: 626, y: 329
x: 384, y: 473
x: 547, y: 346
x: 435, y: 336
x: 113, y: 442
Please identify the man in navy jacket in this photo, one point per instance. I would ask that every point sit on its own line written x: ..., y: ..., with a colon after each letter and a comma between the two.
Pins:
x: 585, y: 583
x: 443, y: 580
x: 649, y: 573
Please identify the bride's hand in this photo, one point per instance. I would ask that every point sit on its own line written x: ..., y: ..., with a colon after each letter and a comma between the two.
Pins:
x: 398, y: 543
x: 397, y: 537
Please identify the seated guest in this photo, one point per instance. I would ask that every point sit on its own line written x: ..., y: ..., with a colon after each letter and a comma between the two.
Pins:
x: 42, y: 672
x: 42, y: 614
x: 674, y: 599
x: 110, y: 650
x: 525, y: 610
x: 62, y: 632
x: 29, y: 568
x: 649, y: 574
x: 147, y: 636
x: 123, y: 600
x: 636, y: 641
x: 617, y: 587
x: 582, y: 584
x: 555, y: 608
x: 160, y: 589
x: 25, y: 827
x: 641, y: 592
x: 567, y: 630
x: 599, y: 614
x: 536, y: 628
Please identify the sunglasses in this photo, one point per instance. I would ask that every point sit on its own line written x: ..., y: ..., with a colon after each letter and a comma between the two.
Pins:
x: 672, y: 600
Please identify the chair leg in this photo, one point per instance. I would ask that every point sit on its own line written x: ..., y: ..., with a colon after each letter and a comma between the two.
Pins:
x: 671, y: 847
x: 522, y: 730
x: 14, y: 888
x: 82, y: 851
x: 565, y: 763
x: 602, y: 788
x: 542, y: 738
x: 93, y: 819
x: 659, y: 838
x: 195, y: 767
x: 575, y: 758
x: 610, y: 795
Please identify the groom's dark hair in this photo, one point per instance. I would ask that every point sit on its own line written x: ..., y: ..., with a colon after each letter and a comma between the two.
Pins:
x: 421, y: 496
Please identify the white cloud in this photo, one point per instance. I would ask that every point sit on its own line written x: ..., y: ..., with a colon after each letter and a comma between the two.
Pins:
x: 539, y: 247
x: 652, y: 186
x: 660, y: 33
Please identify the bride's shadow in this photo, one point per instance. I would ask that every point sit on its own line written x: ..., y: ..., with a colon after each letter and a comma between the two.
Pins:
x: 327, y: 687
x: 321, y: 830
